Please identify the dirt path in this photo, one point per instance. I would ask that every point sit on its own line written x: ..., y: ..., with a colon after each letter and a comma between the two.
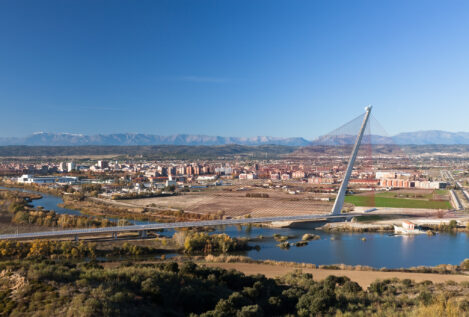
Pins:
x: 129, y: 204
x: 236, y: 203
x: 364, y: 278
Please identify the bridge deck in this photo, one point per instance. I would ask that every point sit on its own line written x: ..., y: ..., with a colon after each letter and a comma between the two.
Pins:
x: 157, y: 226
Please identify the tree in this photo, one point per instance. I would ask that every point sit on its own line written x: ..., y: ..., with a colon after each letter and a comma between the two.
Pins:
x: 250, y: 311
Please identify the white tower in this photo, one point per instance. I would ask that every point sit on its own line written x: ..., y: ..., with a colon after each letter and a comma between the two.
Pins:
x: 339, y: 201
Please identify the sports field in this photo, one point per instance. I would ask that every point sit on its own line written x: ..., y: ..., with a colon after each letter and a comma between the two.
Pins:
x: 379, y: 201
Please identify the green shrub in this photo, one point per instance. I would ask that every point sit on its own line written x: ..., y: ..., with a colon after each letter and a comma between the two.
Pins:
x: 199, y: 242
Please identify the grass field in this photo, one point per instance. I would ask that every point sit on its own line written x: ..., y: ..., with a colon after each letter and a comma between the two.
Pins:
x: 413, y: 194
x: 379, y: 201
x: 373, y: 218
x: 441, y: 191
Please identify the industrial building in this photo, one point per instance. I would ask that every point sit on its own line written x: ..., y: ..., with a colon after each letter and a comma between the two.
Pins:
x: 29, y: 179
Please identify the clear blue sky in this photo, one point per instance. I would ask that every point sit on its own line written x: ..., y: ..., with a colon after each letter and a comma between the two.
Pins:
x: 232, y: 68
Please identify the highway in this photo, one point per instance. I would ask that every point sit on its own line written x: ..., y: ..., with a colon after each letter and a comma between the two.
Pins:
x: 455, y: 200
x: 464, y: 192
x: 144, y: 228
x: 466, y: 195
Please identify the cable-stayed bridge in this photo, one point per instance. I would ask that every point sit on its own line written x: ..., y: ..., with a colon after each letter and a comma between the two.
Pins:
x: 143, y: 229
x: 334, y: 215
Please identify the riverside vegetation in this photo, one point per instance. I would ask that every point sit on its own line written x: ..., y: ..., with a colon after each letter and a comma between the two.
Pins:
x: 191, y: 243
x: 284, y: 244
x: 86, y: 201
x: 55, y: 250
x: 201, y: 242
x: 15, y: 205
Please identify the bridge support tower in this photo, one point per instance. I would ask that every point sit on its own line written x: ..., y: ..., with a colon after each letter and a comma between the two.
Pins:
x: 339, y: 201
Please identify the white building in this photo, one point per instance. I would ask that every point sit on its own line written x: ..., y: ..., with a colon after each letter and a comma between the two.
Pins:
x: 392, y: 174
x: 247, y: 176
x: 71, y: 166
x: 224, y: 170
x: 103, y: 164
x: 206, y: 178
x: 62, y: 166
x: 430, y: 185
x: 171, y: 183
x: 29, y: 179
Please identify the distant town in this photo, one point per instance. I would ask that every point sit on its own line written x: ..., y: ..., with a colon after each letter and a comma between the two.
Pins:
x: 321, y: 175
x: 150, y: 176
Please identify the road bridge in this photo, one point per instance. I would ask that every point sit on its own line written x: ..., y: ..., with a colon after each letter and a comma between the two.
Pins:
x: 144, y: 229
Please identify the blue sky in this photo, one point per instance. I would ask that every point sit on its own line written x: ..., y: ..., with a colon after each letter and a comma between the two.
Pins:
x: 232, y: 68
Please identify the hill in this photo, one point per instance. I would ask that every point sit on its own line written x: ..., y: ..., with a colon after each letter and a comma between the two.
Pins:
x: 151, y: 152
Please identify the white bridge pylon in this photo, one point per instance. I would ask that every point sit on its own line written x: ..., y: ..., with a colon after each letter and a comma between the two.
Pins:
x: 339, y: 201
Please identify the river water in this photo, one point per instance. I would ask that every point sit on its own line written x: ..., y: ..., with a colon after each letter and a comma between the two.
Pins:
x: 378, y: 250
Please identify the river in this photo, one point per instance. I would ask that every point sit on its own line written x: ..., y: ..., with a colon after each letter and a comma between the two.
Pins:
x: 51, y: 202
x: 378, y: 250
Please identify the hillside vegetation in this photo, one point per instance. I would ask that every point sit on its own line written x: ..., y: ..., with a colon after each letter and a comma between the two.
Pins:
x: 51, y: 288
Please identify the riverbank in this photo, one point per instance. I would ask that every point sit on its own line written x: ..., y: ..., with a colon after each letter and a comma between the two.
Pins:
x: 27, y: 195
x: 24, y: 211
x: 363, y: 278
x: 356, y: 227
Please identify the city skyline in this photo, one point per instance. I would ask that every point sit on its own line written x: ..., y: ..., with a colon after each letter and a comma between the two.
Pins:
x: 219, y: 68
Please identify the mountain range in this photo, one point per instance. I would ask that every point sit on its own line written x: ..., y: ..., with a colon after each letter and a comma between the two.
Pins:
x: 69, y: 139
x: 432, y: 137
x: 406, y: 138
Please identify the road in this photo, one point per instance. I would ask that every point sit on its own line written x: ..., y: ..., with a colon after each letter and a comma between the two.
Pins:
x: 455, y: 200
